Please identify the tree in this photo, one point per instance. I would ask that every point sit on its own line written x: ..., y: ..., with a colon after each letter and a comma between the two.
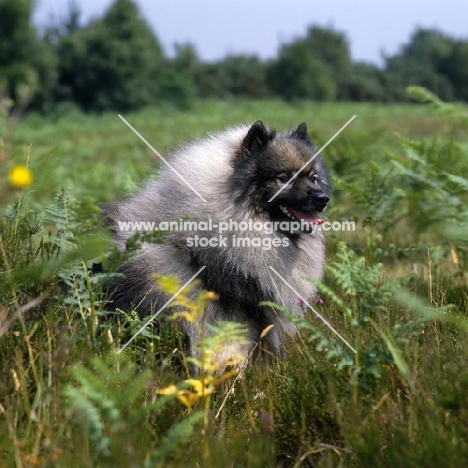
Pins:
x: 113, y: 63
x: 331, y: 47
x: 364, y: 82
x: 211, y: 81
x: 243, y: 76
x: 420, y: 62
x: 177, y: 83
x: 299, y: 73
x: 311, y: 67
x: 18, y: 49
x: 455, y: 68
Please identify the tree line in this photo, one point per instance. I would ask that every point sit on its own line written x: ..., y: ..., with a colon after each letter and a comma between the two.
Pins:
x: 117, y: 62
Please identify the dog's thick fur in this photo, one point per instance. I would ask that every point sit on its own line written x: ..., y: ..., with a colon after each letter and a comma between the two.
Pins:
x: 236, y: 172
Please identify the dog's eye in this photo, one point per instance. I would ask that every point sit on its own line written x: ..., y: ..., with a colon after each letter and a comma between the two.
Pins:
x: 315, y: 179
x: 283, y: 178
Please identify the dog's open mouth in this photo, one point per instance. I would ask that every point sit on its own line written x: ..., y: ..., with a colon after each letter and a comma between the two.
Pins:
x: 307, y: 216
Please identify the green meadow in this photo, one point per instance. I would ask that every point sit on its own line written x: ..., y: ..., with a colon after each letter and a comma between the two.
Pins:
x: 396, y: 288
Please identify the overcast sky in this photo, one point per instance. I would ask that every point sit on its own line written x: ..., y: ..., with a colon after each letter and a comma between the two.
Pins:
x: 219, y: 27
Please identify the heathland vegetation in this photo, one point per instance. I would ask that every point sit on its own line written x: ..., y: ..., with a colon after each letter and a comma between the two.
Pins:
x: 396, y: 287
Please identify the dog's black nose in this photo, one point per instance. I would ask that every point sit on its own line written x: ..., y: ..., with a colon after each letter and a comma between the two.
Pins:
x: 321, y: 200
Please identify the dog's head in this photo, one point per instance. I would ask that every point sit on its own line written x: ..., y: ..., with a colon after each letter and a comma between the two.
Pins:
x: 279, y: 177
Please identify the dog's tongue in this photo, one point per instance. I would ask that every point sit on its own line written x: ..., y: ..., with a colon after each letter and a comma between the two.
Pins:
x: 311, y: 218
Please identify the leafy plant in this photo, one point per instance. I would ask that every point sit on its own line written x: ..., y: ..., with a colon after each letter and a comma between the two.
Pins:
x: 218, y: 355
x: 110, y: 400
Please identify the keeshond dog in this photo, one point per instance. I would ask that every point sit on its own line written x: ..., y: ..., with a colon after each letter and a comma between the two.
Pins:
x: 261, y: 217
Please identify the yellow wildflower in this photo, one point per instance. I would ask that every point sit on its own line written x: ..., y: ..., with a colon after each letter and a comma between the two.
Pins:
x: 20, y: 177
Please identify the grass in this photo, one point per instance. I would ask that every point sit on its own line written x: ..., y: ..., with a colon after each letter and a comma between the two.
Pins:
x: 396, y: 287
x: 100, y: 157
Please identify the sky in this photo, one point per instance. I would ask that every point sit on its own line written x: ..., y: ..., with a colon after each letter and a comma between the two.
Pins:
x: 374, y: 28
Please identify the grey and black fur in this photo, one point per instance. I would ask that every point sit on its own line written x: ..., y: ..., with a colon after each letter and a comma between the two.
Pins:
x: 237, y: 172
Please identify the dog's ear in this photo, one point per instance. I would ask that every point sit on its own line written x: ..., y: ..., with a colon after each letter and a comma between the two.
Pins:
x: 257, y: 138
x: 301, y: 133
